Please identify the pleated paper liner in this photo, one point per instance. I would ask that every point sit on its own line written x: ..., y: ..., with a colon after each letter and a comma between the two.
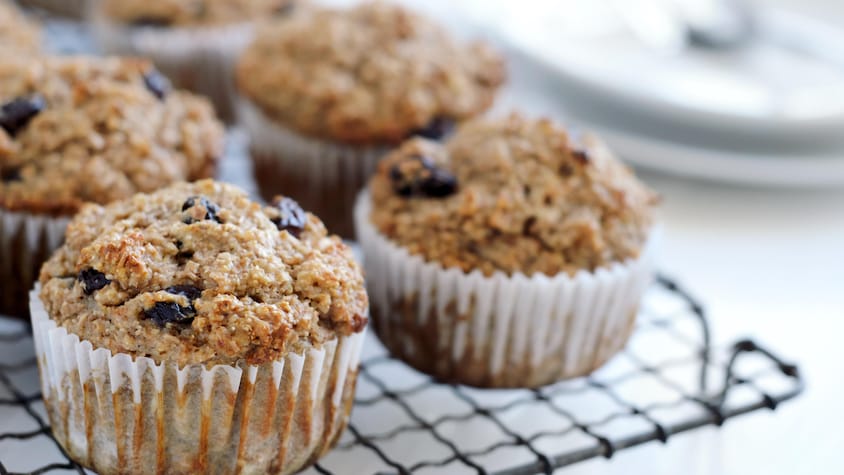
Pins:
x: 499, y: 330
x: 323, y: 176
x: 26, y: 241
x: 115, y: 414
x: 201, y: 60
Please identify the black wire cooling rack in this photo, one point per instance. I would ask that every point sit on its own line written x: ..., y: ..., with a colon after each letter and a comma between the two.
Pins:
x: 670, y: 379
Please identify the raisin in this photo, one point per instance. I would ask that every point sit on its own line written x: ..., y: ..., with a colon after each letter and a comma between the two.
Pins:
x: 163, y: 313
x: 16, y: 114
x: 211, y: 209
x: 10, y: 174
x: 436, y: 129
x: 291, y: 217
x: 151, y: 22
x: 439, y: 184
x: 92, y: 280
x: 157, y: 84
x: 185, y: 290
x: 419, y: 176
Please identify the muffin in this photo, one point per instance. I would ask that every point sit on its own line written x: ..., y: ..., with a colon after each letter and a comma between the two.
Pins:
x: 17, y: 34
x: 327, y: 92
x: 209, y: 334
x: 76, y: 130
x: 512, y: 255
x: 195, y: 43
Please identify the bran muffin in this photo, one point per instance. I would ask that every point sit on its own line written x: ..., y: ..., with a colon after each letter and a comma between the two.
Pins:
x: 226, y: 331
x: 193, y: 42
x: 17, y: 34
x: 326, y: 92
x: 512, y: 255
x: 76, y: 130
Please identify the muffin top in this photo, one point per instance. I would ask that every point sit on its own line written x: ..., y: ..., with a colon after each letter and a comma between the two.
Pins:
x: 373, y: 74
x: 163, y: 13
x: 515, y: 195
x: 17, y: 34
x: 75, y: 130
x: 199, y: 274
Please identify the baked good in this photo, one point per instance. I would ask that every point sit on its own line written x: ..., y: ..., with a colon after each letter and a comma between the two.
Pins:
x: 76, y: 130
x: 225, y: 334
x: 18, y: 35
x: 512, y: 255
x: 326, y: 92
x: 195, y: 43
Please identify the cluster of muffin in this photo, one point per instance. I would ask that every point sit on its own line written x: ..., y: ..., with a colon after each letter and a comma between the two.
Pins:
x: 183, y: 328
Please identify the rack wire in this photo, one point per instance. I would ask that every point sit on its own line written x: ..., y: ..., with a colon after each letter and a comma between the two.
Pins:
x: 669, y: 379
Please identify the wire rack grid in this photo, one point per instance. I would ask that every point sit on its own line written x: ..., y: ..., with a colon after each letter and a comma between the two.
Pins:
x: 670, y: 379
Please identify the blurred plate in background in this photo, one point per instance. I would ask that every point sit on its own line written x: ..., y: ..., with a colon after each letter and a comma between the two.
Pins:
x: 769, y: 112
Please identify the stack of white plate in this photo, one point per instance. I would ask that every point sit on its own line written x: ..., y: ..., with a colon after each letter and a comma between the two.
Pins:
x: 770, y: 112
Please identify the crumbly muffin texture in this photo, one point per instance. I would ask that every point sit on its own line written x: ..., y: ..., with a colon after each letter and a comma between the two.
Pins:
x: 512, y: 195
x: 163, y: 13
x: 199, y: 274
x: 77, y: 129
x: 372, y: 74
x: 17, y: 34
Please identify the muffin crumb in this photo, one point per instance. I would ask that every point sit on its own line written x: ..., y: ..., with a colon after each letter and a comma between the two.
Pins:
x: 375, y: 73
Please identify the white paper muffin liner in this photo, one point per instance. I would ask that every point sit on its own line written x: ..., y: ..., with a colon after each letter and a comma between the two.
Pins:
x: 118, y: 415
x: 26, y: 241
x: 323, y: 176
x: 198, y: 59
x: 499, y: 330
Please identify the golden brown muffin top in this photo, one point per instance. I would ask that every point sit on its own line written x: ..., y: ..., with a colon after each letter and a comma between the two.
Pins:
x: 78, y: 129
x: 512, y: 195
x: 17, y: 34
x: 199, y: 274
x: 164, y: 13
x: 371, y: 74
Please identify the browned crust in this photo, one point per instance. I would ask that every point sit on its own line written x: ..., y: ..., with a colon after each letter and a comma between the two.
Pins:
x: 530, y: 197
x: 102, y: 134
x: 301, y: 90
x: 262, y: 289
x: 59, y: 208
